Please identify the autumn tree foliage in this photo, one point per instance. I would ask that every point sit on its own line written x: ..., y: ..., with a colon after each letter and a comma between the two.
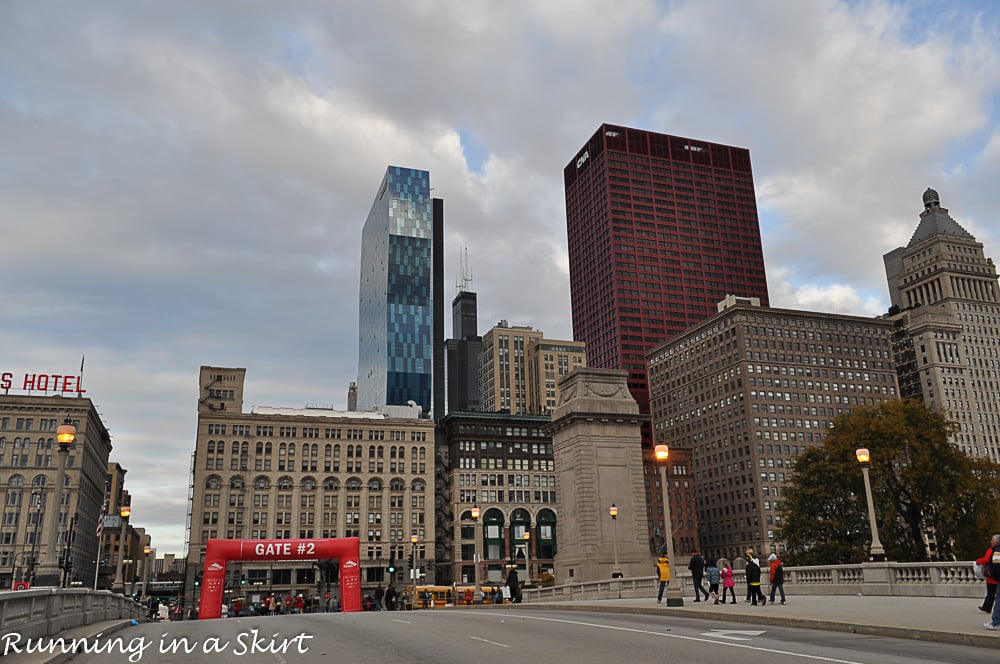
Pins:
x: 923, y: 488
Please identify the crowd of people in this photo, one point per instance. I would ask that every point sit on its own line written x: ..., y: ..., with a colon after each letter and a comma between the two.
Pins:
x: 719, y: 575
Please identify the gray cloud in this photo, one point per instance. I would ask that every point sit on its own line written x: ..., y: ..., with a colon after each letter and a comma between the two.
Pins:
x: 185, y: 186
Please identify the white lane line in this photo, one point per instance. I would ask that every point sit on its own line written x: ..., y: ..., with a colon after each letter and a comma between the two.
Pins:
x: 734, y: 634
x: 492, y: 643
x: 690, y: 638
x: 408, y: 622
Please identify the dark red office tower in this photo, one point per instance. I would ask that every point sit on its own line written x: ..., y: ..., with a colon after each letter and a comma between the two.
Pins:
x: 660, y: 228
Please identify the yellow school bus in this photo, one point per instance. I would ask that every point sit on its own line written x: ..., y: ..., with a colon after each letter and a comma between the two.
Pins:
x: 436, y: 597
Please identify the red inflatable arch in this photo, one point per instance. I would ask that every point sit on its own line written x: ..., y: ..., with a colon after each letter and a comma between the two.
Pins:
x: 219, y: 552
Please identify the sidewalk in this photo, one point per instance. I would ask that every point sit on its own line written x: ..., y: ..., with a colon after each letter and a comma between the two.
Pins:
x: 941, y: 620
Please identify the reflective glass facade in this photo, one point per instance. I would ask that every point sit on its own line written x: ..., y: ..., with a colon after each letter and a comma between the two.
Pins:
x: 396, y: 353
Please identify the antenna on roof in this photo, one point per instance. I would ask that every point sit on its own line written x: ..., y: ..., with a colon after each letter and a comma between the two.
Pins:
x: 465, y: 277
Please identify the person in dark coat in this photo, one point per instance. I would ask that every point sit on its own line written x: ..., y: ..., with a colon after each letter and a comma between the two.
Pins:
x: 514, y: 584
x: 697, y: 567
x: 753, y: 581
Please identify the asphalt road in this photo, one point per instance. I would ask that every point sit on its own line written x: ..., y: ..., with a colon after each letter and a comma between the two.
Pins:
x: 506, y: 636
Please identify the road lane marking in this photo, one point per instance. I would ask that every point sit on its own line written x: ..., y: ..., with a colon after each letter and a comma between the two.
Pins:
x: 408, y: 622
x: 734, y: 634
x: 818, y: 658
x: 492, y: 643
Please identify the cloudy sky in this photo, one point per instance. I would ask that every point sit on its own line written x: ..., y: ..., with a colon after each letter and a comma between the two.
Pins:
x: 185, y: 183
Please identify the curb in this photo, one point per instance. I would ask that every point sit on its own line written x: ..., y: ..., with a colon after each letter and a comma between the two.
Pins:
x: 984, y: 640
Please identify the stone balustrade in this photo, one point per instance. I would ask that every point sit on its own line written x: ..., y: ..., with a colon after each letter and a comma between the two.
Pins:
x: 47, y: 611
x: 935, y: 579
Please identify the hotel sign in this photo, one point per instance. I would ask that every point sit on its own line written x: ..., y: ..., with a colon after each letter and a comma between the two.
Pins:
x: 35, y: 382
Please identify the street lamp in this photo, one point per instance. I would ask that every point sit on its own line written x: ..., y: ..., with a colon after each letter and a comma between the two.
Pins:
x: 674, y: 595
x: 413, y: 567
x: 146, y: 550
x: 49, y: 572
x: 478, y: 595
x: 616, y: 571
x: 877, y: 552
x: 125, y: 512
x: 527, y: 556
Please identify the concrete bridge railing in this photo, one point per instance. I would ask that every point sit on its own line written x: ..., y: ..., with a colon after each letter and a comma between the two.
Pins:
x: 47, y: 611
x: 936, y: 579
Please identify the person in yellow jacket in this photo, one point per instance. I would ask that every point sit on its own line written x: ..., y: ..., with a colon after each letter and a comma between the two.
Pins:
x: 663, y: 570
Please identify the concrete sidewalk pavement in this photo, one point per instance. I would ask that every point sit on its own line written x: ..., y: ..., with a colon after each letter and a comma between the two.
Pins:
x: 941, y: 620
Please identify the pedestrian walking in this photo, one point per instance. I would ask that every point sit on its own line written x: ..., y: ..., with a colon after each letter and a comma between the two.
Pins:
x: 728, y: 584
x: 379, y: 594
x: 663, y: 574
x: 753, y: 581
x: 713, y: 576
x: 993, y: 571
x: 777, y: 577
x: 697, y: 567
x: 991, y: 584
x: 514, y: 585
x: 750, y: 556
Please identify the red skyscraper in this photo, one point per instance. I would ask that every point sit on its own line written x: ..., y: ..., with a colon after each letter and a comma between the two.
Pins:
x: 660, y: 229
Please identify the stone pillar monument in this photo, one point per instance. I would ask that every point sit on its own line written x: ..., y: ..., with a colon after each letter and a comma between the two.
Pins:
x: 597, y: 447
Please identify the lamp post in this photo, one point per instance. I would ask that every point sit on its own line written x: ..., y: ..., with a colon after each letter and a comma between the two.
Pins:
x: 49, y: 572
x: 616, y: 571
x: 146, y: 550
x: 674, y: 595
x: 877, y: 552
x: 478, y: 594
x: 32, y: 564
x: 527, y: 556
x: 413, y: 566
x: 125, y: 512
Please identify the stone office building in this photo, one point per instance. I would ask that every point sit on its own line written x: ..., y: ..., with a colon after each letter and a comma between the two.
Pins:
x: 750, y: 389
x: 313, y: 472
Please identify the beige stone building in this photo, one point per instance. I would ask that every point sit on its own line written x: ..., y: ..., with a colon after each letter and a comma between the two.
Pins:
x: 519, y: 369
x: 547, y: 361
x: 313, y: 472
x: 28, y: 467
x: 946, y: 308
x: 750, y: 389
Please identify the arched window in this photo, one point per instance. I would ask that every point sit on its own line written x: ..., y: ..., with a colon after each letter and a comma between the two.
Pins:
x: 237, y: 484
x: 16, y: 480
x: 397, y: 484
x: 213, y: 483
x: 309, y: 484
x: 419, y: 486
x: 374, y: 484
x: 259, y: 449
x: 261, y: 483
x: 545, y: 529
x: 285, y: 483
x: 331, y: 484
x: 353, y: 484
x: 40, y: 480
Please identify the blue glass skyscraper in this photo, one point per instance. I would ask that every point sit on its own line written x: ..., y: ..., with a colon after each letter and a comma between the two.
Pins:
x: 401, y: 323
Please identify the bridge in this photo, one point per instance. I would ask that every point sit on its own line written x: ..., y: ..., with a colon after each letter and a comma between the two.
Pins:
x: 934, y: 579
x: 913, y: 591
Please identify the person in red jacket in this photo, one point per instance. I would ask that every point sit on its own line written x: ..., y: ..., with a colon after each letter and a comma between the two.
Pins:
x: 777, y: 577
x: 991, y: 584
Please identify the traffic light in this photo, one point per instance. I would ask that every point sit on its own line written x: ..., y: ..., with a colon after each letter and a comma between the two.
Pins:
x: 392, y: 563
x: 197, y: 579
x: 243, y: 580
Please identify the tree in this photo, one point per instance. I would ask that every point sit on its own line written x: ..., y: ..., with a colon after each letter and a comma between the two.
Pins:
x: 922, y: 486
x: 824, y: 523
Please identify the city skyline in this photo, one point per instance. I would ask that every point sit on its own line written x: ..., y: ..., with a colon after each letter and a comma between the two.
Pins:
x: 189, y: 188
